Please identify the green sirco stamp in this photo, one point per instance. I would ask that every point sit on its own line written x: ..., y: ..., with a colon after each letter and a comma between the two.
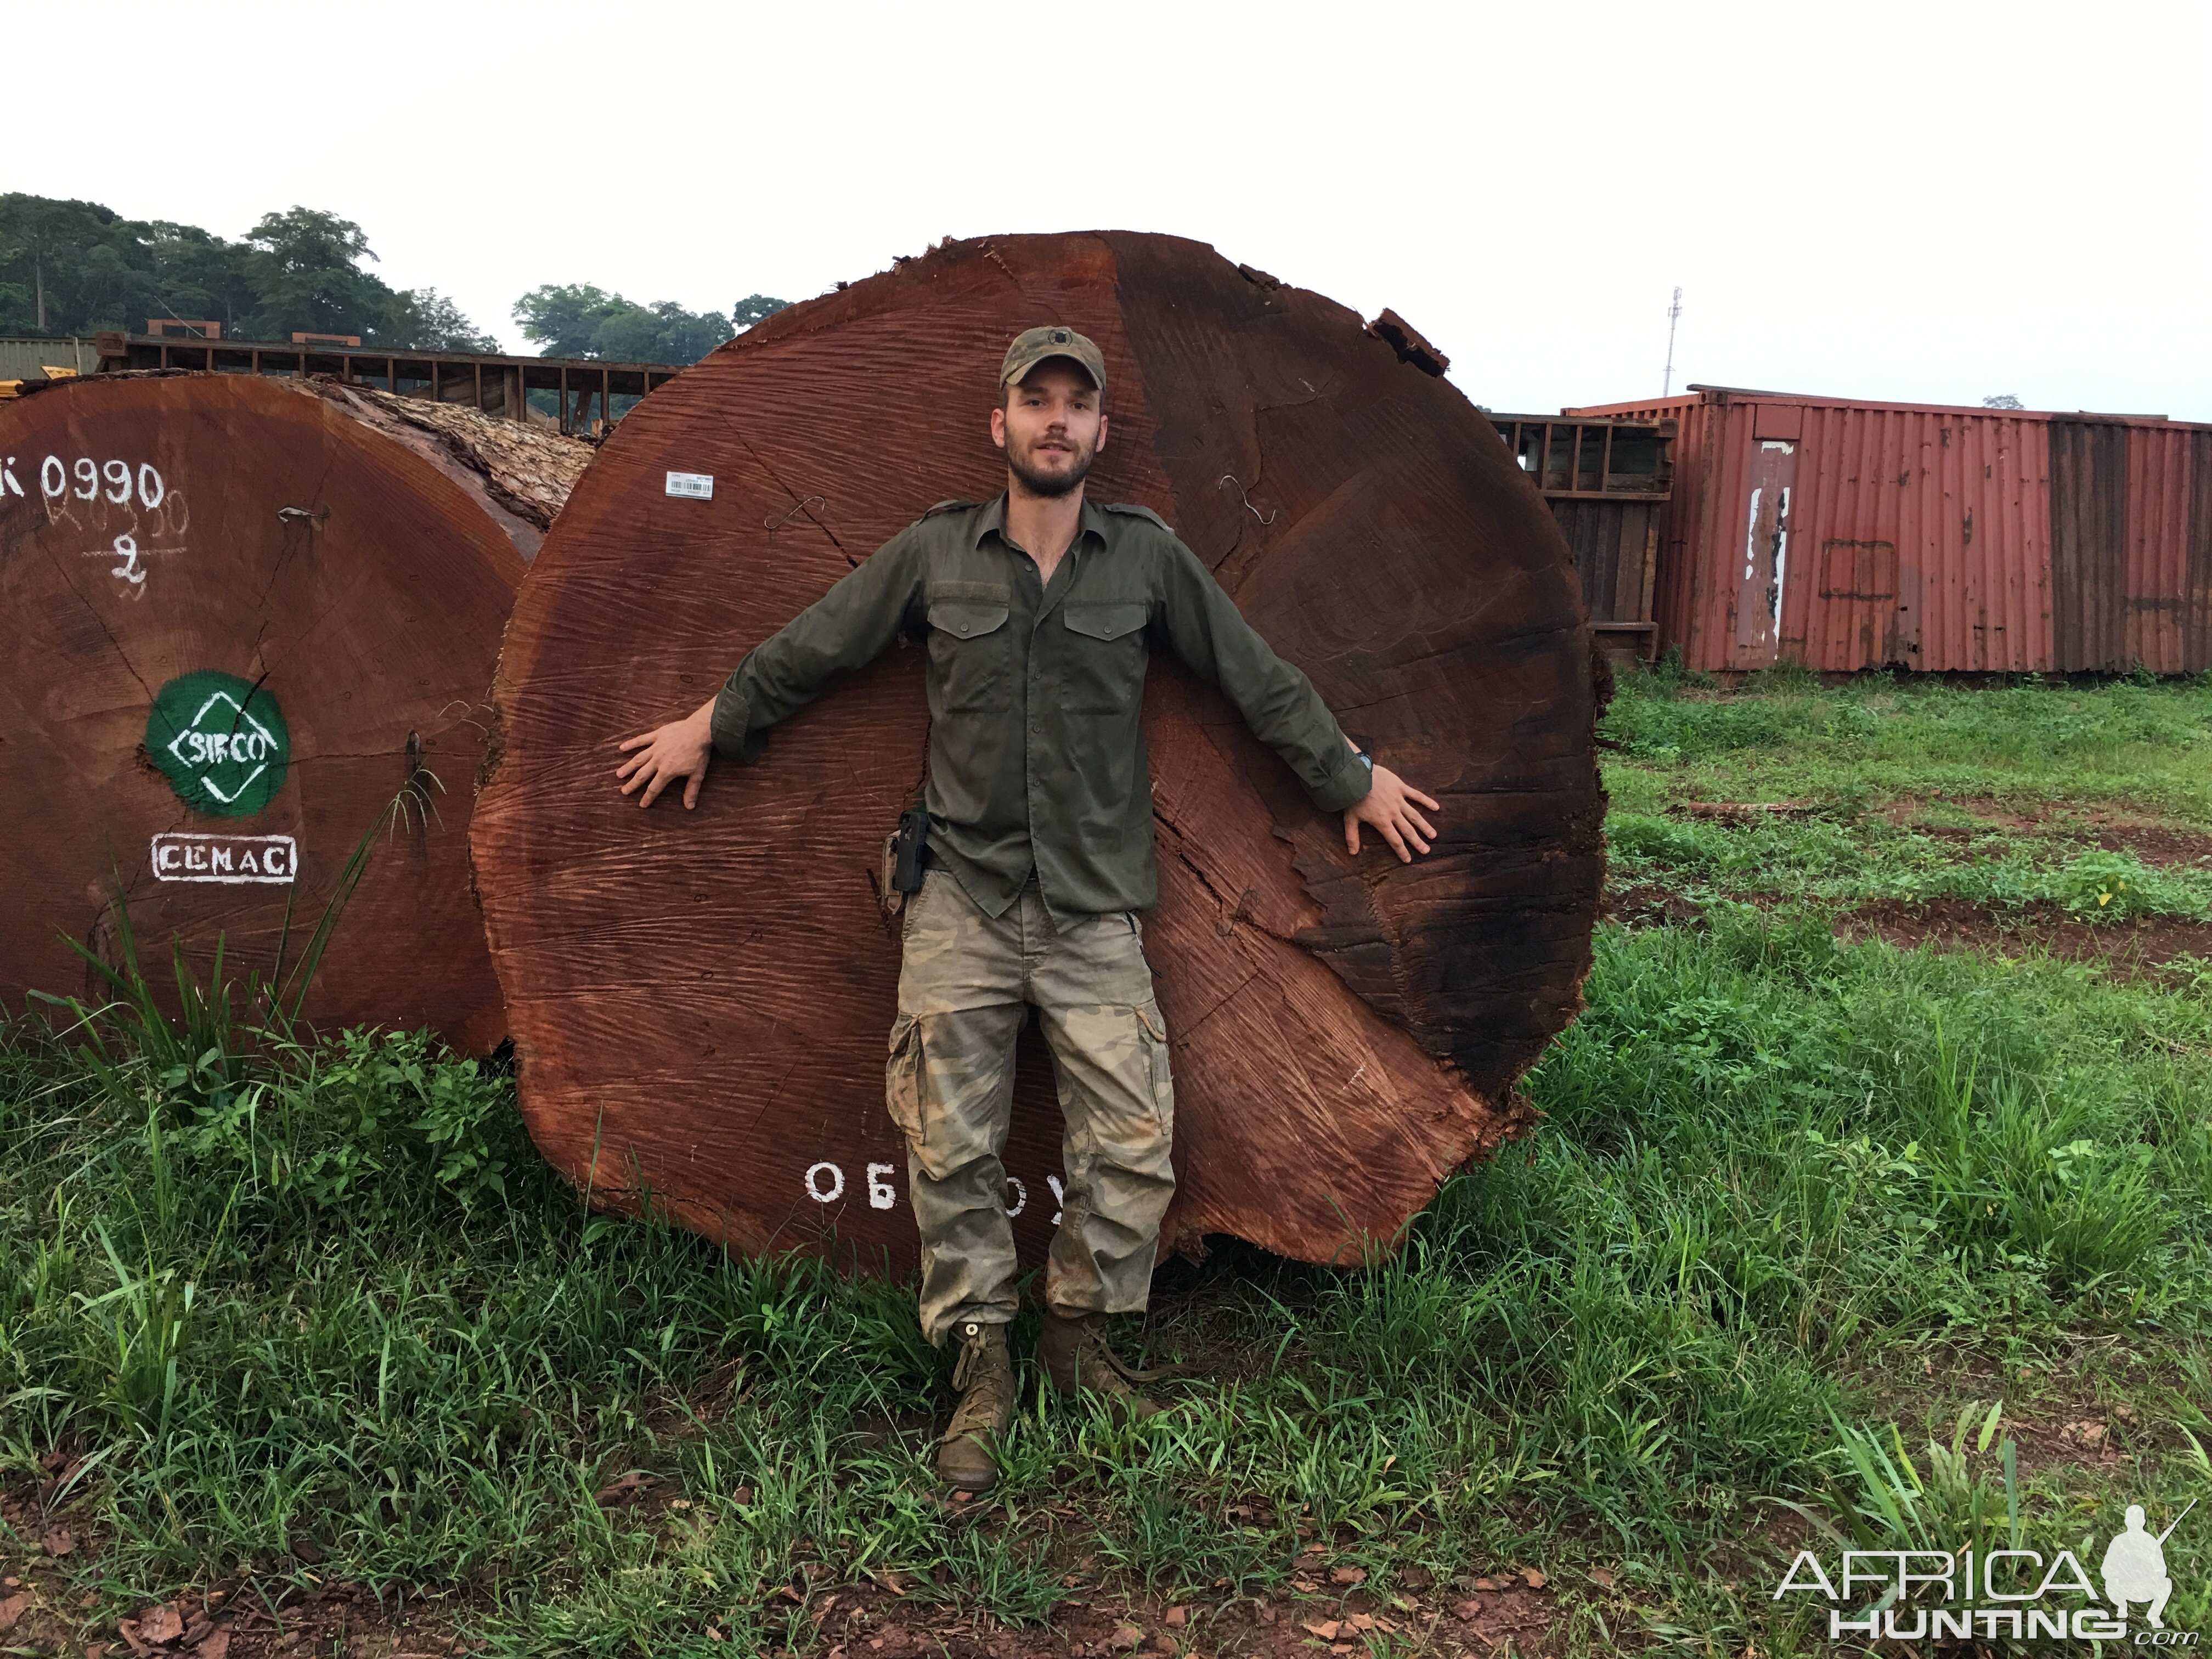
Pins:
x: 220, y: 741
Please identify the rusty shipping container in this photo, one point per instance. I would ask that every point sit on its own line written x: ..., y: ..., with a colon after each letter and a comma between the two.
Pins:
x: 1846, y: 535
x: 1607, y: 484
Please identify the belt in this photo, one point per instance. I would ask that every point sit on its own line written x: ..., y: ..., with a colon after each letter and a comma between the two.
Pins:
x: 930, y: 860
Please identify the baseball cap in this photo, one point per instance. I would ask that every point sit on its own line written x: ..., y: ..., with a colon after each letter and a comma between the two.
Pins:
x: 1032, y: 346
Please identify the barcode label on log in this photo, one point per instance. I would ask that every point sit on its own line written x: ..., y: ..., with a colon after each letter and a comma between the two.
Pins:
x: 692, y: 486
x: 227, y: 858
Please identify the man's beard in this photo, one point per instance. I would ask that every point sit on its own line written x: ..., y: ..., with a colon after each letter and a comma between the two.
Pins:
x: 1051, y: 485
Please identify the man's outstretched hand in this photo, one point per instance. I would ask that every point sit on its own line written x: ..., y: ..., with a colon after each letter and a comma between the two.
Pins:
x: 1388, y: 806
x: 680, y: 749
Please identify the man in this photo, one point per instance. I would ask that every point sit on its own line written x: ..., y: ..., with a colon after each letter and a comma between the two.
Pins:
x: 1039, y: 609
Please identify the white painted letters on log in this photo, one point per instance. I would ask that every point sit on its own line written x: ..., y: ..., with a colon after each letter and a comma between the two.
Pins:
x: 179, y: 856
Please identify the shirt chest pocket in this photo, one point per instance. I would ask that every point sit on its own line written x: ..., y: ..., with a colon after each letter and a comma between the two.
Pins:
x: 1104, y: 652
x: 968, y: 646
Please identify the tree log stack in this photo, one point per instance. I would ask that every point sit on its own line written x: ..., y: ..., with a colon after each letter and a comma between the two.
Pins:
x: 700, y: 1000
x: 239, y: 617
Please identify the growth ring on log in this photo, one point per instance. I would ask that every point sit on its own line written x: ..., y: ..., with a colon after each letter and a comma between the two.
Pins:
x: 700, y: 1000
x: 237, y: 616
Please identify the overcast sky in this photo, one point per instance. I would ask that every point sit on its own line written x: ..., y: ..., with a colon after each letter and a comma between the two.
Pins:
x: 1927, y: 202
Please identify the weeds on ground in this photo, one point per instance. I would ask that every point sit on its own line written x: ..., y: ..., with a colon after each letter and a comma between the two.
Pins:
x: 1861, y: 861
x: 2049, y: 740
x: 1917, y: 792
x: 1780, y: 1179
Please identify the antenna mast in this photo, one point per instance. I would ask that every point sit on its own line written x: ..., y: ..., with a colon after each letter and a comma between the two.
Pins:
x: 1673, y: 315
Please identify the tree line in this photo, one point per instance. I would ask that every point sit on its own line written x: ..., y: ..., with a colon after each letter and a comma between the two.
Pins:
x: 72, y: 267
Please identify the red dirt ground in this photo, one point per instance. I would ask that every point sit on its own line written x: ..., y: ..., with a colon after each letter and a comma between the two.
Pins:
x: 2127, y: 948
x: 2154, y: 841
x: 47, y: 1607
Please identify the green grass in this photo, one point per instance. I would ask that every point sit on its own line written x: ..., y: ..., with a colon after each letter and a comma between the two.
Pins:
x: 1787, y: 1193
x: 1868, y: 858
x: 1917, y: 791
x: 2147, y: 743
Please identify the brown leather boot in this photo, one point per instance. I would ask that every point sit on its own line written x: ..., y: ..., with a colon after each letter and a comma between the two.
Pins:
x: 1076, y: 1360
x: 984, y: 1377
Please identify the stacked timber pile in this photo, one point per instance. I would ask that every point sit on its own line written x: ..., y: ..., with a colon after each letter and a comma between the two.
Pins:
x: 238, y: 618
x: 700, y: 1000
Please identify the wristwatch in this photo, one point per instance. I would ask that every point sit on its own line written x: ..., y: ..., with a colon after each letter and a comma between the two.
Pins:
x: 1366, y: 759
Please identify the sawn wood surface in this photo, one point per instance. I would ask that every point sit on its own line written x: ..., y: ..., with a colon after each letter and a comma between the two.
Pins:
x: 701, y: 1000
x: 359, y: 584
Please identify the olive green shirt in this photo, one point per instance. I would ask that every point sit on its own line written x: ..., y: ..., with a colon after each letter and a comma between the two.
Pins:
x: 1037, y: 742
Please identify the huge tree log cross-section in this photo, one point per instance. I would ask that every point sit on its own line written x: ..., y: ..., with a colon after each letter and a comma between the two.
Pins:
x: 237, y: 617
x: 702, y: 1001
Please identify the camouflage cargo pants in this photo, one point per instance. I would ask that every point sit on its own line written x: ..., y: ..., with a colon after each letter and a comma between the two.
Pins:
x: 965, y: 989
